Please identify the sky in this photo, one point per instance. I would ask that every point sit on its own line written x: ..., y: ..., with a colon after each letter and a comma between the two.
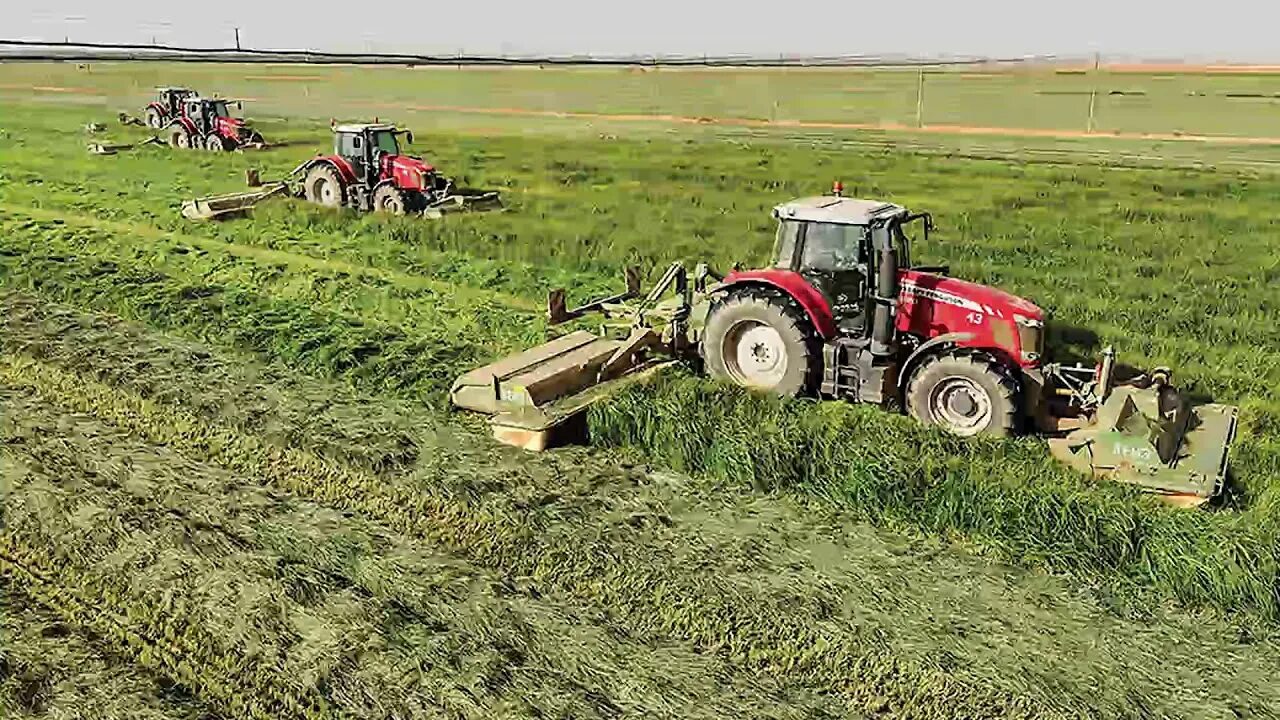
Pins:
x: 1151, y: 29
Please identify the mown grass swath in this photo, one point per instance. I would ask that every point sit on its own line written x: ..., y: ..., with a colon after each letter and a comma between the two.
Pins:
x: 365, y: 622
x: 576, y: 528
x: 307, y: 320
x: 51, y: 669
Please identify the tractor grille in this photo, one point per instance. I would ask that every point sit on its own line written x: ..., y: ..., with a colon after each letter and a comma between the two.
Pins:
x: 1031, y: 339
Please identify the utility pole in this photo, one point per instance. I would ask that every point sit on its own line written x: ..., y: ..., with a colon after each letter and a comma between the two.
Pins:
x: 237, y: 38
x: 920, y: 99
x: 1093, y: 92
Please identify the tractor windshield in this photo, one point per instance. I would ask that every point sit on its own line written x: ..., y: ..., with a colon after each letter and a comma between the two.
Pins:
x: 831, y: 246
x: 219, y: 109
x: 385, y: 140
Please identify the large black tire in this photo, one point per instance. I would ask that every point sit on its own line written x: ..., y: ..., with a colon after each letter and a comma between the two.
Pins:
x: 324, y: 186
x: 154, y: 119
x: 179, y: 137
x: 966, y: 394
x: 760, y: 338
x: 390, y: 199
x: 215, y: 143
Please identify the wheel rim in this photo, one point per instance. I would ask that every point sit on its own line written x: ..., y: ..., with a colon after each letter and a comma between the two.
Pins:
x: 960, y: 405
x: 183, y: 140
x: 326, y: 191
x: 755, y: 354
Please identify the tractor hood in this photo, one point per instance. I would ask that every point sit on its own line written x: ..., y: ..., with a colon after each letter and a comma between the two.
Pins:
x: 408, y: 172
x: 965, y: 295
x: 409, y: 162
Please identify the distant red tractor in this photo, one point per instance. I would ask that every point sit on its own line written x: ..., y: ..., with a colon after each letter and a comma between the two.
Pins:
x: 208, y: 123
x: 166, y: 106
x: 367, y: 171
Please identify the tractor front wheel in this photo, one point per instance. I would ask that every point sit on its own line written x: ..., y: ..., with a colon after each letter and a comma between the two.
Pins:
x: 323, y: 186
x: 154, y: 120
x: 179, y: 137
x: 759, y: 338
x: 389, y: 199
x: 965, y: 395
x: 215, y: 143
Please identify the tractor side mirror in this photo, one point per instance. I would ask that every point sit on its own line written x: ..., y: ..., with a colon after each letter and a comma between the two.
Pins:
x: 408, y: 137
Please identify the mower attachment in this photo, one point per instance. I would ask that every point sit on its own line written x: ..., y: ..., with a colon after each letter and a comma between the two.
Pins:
x: 533, y: 396
x: 1151, y: 437
x: 463, y: 200
x: 230, y: 205
x: 104, y: 149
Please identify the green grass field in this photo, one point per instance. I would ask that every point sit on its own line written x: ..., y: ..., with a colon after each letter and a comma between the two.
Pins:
x: 233, y: 485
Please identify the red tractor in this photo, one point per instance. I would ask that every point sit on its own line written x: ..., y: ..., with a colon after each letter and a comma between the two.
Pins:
x: 367, y: 171
x: 167, y: 106
x: 208, y: 123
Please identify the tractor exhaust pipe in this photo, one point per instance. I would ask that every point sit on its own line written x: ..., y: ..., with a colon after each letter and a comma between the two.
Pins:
x: 886, y: 298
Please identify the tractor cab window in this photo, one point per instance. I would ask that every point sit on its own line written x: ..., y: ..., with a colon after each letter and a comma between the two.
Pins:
x: 350, y: 145
x: 828, y: 246
x: 784, y: 247
x: 386, y: 142
x: 219, y: 109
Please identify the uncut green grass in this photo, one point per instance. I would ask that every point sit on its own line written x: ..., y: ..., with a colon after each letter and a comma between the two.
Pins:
x: 748, y: 578
x: 1030, y: 98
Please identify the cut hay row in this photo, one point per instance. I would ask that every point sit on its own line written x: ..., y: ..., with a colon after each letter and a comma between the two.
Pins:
x: 49, y: 669
x: 1006, y: 496
x: 769, y: 634
x: 322, y: 417
x: 224, y: 302
x: 658, y: 576
x: 109, y: 584
x: 346, y: 608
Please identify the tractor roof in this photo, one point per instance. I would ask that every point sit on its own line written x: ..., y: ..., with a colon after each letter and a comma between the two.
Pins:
x: 173, y: 89
x: 835, y: 209
x: 362, y: 127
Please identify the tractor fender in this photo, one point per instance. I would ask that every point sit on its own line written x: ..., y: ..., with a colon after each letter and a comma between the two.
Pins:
x: 342, y: 166
x: 926, y: 349
x: 164, y: 111
x: 811, y: 301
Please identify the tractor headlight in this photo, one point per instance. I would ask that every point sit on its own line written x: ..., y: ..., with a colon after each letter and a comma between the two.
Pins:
x: 1030, y: 338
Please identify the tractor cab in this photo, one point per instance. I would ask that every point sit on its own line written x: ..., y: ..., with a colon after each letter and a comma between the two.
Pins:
x: 171, y: 98
x: 364, y: 147
x: 834, y: 243
x: 205, y: 112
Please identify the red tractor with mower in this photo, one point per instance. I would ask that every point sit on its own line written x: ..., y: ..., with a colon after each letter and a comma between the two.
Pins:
x: 166, y: 106
x: 843, y: 313
x: 368, y: 171
x: 209, y: 124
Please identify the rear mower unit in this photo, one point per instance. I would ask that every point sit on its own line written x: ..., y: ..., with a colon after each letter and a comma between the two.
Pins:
x: 843, y: 314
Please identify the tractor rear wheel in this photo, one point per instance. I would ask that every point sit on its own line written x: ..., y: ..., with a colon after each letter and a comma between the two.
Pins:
x: 390, y: 199
x: 323, y: 186
x: 179, y: 137
x: 154, y: 120
x: 759, y: 338
x: 965, y: 394
x: 215, y: 143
